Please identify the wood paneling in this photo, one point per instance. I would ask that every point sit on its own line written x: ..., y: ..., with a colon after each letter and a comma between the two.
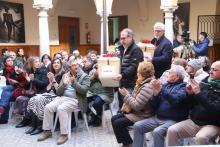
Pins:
x: 85, y: 48
x: 34, y: 49
x: 214, y: 52
x: 31, y: 50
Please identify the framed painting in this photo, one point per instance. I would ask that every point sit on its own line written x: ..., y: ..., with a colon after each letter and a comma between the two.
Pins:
x: 11, y: 22
x: 181, y: 18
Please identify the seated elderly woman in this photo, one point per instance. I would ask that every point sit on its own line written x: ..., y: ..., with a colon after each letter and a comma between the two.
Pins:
x: 36, y: 80
x: 136, y: 106
x: 37, y: 103
x: 170, y: 103
x: 98, y: 96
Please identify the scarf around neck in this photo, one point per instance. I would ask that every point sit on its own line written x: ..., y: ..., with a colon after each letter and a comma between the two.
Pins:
x: 213, y: 82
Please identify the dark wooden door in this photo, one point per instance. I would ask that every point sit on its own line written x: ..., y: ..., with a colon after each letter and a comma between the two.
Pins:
x: 68, y: 33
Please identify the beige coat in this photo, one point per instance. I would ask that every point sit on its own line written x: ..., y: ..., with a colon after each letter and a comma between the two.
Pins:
x: 138, y: 101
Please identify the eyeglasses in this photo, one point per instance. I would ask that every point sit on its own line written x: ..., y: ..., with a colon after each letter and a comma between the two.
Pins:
x: 56, y: 62
x: 157, y: 31
x: 123, y: 38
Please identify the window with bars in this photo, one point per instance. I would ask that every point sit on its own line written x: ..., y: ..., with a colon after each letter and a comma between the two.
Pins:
x: 211, y: 25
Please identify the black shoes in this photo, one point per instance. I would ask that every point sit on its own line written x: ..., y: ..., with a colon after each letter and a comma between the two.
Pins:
x: 29, y: 131
x: 38, y: 130
x: 92, y: 120
x: 95, y: 121
x: 23, y: 123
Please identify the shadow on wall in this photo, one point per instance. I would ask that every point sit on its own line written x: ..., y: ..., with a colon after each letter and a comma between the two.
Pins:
x: 218, y: 8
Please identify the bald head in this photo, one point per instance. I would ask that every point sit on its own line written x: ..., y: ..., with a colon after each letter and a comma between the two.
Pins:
x: 215, y: 71
x: 217, y: 64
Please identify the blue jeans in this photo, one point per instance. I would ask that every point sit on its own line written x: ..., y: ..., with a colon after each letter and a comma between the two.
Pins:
x: 97, y: 105
x: 5, y: 100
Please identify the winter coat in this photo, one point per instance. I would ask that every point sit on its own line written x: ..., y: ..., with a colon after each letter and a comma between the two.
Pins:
x: 162, y: 56
x: 206, y: 108
x: 96, y: 88
x: 40, y: 80
x: 129, y: 64
x: 171, y: 102
x: 201, y: 49
x: 138, y: 101
x: 81, y: 85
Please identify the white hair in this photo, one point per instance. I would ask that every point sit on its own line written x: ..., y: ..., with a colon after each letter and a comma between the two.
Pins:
x: 179, y: 70
x: 159, y: 26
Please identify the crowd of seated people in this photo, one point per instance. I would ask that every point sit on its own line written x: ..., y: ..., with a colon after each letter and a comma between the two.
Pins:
x: 183, y: 102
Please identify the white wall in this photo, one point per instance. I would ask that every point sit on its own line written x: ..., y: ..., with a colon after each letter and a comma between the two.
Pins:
x: 85, y: 9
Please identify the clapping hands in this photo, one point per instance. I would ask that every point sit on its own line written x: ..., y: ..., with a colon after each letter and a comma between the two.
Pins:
x: 156, y: 85
x: 123, y: 91
x: 51, y: 77
x: 192, y: 87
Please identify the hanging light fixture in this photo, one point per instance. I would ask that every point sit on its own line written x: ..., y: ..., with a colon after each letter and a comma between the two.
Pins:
x: 100, y: 6
x: 42, y: 3
x: 168, y: 3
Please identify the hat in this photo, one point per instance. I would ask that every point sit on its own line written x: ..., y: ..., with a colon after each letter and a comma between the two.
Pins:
x: 195, y: 63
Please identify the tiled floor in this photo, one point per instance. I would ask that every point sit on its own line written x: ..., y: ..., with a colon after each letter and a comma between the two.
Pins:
x: 98, y: 137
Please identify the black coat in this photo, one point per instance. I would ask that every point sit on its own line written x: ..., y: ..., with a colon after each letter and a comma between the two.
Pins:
x: 129, y: 64
x: 162, y: 56
x: 206, y: 108
x: 40, y: 80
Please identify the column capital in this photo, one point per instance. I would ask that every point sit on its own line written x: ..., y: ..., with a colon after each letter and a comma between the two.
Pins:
x: 42, y: 6
x: 169, y: 9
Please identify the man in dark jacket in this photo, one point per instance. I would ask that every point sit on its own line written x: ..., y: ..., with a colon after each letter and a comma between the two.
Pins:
x: 130, y: 55
x: 204, y: 119
x: 163, y: 52
x: 201, y: 49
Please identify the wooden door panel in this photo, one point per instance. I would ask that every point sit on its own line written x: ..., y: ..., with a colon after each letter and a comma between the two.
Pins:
x: 66, y: 24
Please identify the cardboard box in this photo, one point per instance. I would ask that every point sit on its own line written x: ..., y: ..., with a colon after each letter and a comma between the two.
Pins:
x: 108, y: 68
x: 148, y: 49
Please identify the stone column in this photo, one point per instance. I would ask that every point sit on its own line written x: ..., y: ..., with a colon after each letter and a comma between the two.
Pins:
x: 104, y: 35
x: 43, y: 28
x: 168, y: 10
x: 104, y: 10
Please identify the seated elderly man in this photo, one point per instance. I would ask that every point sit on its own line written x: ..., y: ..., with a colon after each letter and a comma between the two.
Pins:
x: 72, y: 91
x: 195, y: 71
x: 204, y: 119
x: 98, y: 96
x: 169, y: 103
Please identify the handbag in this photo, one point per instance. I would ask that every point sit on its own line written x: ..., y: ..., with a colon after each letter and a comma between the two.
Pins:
x: 30, y: 92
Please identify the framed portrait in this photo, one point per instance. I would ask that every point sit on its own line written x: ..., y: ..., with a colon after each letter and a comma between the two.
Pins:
x: 181, y: 18
x: 11, y: 22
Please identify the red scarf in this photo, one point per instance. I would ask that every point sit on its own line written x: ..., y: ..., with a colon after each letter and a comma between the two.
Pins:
x: 10, y: 70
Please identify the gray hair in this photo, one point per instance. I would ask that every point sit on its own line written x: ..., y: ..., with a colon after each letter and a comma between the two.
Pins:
x: 70, y: 62
x: 179, y: 70
x: 129, y: 32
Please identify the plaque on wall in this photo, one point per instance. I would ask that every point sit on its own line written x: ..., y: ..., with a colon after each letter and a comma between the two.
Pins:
x: 11, y: 22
